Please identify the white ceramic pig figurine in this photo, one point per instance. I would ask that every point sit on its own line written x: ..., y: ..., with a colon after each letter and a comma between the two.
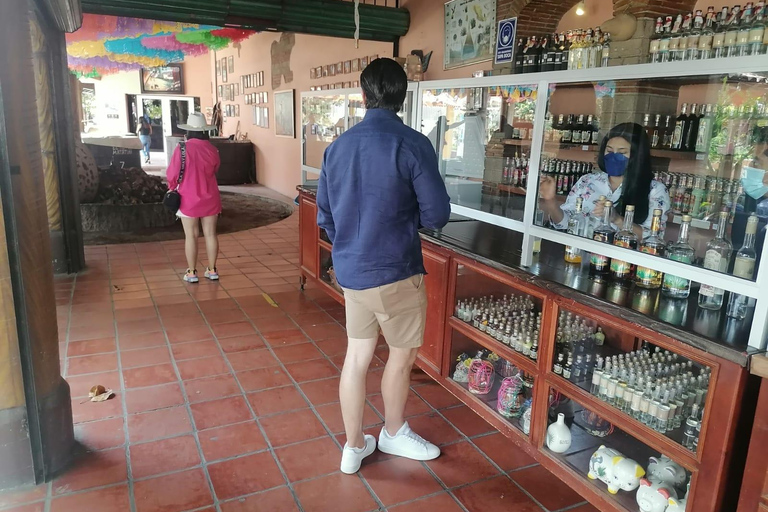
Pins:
x: 615, y: 470
x: 676, y: 505
x: 653, y: 495
x: 666, y: 470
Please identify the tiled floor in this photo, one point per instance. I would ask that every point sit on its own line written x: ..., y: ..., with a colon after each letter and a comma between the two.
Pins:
x: 227, y: 402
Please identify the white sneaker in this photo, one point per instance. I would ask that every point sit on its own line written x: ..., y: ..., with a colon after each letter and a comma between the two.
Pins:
x: 407, y: 443
x: 352, y: 458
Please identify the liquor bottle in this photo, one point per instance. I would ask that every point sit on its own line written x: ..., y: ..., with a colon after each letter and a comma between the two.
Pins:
x: 589, y: 54
x: 685, y: 33
x: 559, y: 127
x: 658, y: 132
x: 745, y: 25
x: 678, y: 287
x: 576, y: 224
x: 669, y: 131
x: 744, y: 267
x: 565, y: 43
x: 577, y: 129
x: 652, y: 244
x: 681, y: 125
x: 604, y: 232
x: 704, y: 135
x: 519, y: 54
x: 707, y: 35
x: 719, y: 49
x: 557, y: 368
x: 764, y: 47
x: 568, y: 368
x: 538, y: 52
x: 732, y: 32
x: 596, y: 130
x: 697, y: 197
x: 567, y: 130
x: 692, y: 424
x: 587, y: 134
x: 692, y: 129
x: 674, y: 40
x: 717, y: 257
x: 692, y: 49
x: 557, y: 48
x: 664, y: 42
x: 648, y: 125
x: 626, y: 237
x: 605, y: 50
x: 548, y: 55
x: 658, y: 32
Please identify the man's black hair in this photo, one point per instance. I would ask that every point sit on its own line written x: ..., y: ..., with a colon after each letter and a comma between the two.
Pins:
x: 192, y: 134
x: 384, y: 84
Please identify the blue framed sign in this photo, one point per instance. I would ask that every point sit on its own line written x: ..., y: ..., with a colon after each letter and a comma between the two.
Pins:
x: 505, y: 41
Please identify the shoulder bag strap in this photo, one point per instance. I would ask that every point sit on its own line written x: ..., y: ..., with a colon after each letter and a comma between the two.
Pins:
x: 183, y: 151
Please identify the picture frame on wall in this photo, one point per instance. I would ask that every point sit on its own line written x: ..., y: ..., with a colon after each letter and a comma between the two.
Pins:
x: 256, y: 116
x: 164, y: 79
x: 218, y: 68
x: 355, y: 65
x: 219, y: 91
x: 237, y: 110
x: 262, y: 78
x: 237, y: 89
x: 231, y: 63
x: 266, y: 97
x: 332, y: 71
x: 285, y: 120
x: 469, y: 32
x: 347, y: 85
x: 326, y: 71
x: 312, y: 74
x: 373, y: 57
x: 224, y: 74
x: 363, y: 63
x: 356, y: 84
x: 265, y: 117
x: 347, y: 67
x: 340, y: 68
x: 326, y: 87
x: 319, y: 72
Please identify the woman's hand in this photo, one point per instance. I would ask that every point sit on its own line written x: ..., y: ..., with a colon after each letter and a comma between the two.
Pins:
x: 597, y: 211
x: 547, y: 188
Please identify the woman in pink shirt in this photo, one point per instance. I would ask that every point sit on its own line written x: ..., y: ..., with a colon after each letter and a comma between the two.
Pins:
x: 199, y: 193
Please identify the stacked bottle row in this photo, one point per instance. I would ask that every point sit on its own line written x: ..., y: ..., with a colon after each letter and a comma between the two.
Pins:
x: 572, y: 129
x: 576, y: 344
x: 565, y: 172
x: 515, y: 171
x: 717, y: 257
x: 575, y: 49
x: 701, y: 197
x: 697, y: 36
x: 512, y: 320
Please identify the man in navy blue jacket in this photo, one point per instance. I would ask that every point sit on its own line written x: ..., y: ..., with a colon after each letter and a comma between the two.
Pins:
x: 379, y: 184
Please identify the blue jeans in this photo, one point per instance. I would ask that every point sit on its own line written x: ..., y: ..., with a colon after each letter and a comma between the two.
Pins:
x: 145, y: 142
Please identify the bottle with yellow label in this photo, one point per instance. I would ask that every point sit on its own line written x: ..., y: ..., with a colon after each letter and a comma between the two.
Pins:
x: 622, y: 270
x: 652, y: 244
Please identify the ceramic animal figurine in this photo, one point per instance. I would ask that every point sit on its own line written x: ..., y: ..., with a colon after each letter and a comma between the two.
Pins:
x: 665, y: 469
x: 615, y: 470
x: 653, y: 495
x: 676, y: 505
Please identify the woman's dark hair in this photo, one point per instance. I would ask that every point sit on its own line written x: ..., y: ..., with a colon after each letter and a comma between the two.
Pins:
x: 384, y: 84
x: 197, y: 135
x: 638, y: 176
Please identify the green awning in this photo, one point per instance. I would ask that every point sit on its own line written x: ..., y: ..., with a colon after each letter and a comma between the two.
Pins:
x: 318, y: 17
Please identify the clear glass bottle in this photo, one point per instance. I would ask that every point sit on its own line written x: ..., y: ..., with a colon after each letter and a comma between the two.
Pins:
x: 681, y: 124
x: 675, y: 36
x: 685, y: 34
x: 757, y: 30
x: 745, y: 25
x: 744, y: 267
x: 673, y: 286
x: 652, y: 244
x: 664, y: 41
x: 717, y: 257
x: 626, y: 237
x: 605, y: 50
x: 692, y: 48
x: 690, y: 435
x: 576, y: 226
x: 704, y: 135
x: 568, y: 368
x: 558, y: 366
x: 707, y: 35
x: 603, y: 232
x: 658, y: 32
x: 645, y: 401
x: 718, y: 39
x: 732, y: 32
x: 637, y: 397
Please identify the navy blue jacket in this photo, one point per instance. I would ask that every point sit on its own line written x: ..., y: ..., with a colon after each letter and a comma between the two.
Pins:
x: 379, y: 184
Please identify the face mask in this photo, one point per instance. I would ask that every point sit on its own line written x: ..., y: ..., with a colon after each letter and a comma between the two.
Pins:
x: 615, y: 163
x: 753, y: 182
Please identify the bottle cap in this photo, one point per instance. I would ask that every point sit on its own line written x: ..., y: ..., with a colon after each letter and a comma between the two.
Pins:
x: 608, y: 203
x: 629, y: 208
x: 658, y: 212
x: 687, y: 218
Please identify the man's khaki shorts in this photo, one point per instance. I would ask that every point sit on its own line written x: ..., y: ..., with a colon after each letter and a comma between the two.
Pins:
x: 399, y: 309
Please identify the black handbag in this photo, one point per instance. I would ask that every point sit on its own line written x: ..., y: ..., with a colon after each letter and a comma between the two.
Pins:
x: 172, y: 199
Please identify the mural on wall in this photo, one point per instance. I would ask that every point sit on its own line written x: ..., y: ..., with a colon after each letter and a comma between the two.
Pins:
x: 470, y: 30
x: 281, y: 59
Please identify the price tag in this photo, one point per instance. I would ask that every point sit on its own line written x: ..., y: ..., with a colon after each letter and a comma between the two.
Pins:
x: 700, y: 156
x: 585, y: 148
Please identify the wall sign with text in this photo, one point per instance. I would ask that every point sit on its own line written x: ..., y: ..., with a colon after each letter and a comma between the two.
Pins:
x: 505, y: 41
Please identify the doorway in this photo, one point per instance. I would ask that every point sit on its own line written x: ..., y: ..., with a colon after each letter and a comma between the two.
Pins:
x: 165, y: 113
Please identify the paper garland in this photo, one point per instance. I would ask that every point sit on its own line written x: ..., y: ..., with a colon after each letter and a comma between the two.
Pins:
x: 108, y: 44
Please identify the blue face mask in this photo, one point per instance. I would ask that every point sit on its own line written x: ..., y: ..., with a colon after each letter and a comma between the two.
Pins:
x: 753, y: 182
x: 615, y: 163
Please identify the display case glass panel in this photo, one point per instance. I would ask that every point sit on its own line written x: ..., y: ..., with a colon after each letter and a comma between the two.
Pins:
x: 659, y: 388
x: 628, y: 471
x: 327, y: 274
x: 322, y: 122
x: 356, y: 108
x: 482, y: 136
x: 501, y: 385
x: 680, y: 145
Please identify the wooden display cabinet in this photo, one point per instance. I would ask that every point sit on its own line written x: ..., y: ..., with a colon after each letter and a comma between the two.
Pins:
x: 453, y: 276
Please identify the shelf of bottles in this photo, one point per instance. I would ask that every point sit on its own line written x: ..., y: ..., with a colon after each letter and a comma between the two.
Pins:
x: 619, y: 465
x: 498, y: 383
x: 482, y: 136
x: 658, y: 388
x: 323, y: 121
x: 575, y: 49
x: 502, y: 317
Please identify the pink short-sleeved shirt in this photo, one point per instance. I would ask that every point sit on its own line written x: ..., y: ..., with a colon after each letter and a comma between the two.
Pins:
x: 199, y: 190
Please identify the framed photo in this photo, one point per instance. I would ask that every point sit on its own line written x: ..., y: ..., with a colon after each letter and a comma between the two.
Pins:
x: 266, y: 97
x: 347, y: 85
x: 319, y: 72
x: 347, y: 67
x: 326, y: 71
x: 265, y: 117
x: 164, y: 79
x: 219, y: 91
x: 326, y: 87
x: 285, y: 121
x: 237, y: 89
x: 237, y: 110
x: 373, y: 57
x: 312, y: 74
x: 363, y: 63
x: 224, y: 74
x: 218, y: 68
x: 231, y: 63
x: 339, y: 85
x: 469, y: 32
x: 261, y: 78
x: 340, y: 68
x: 356, y: 84
x: 355, y: 65
x: 332, y: 70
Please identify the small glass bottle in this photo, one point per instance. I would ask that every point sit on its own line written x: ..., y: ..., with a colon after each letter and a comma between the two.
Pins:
x: 744, y: 267
x: 717, y: 257
x: 645, y: 402
x: 596, y: 376
x: 679, y: 287
x: 603, y: 232
x: 567, y: 369
x: 622, y: 270
x: 691, y: 429
x: 576, y: 226
x: 662, y: 418
x: 652, y: 244
x: 557, y: 368
x: 604, y: 379
x: 653, y: 407
x: 637, y: 398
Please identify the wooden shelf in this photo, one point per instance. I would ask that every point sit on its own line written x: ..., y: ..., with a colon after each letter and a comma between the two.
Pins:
x: 517, y: 142
x: 494, y: 345
x: 593, y: 148
x: 325, y: 245
x: 627, y: 423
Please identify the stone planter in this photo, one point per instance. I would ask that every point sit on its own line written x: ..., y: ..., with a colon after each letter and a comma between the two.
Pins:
x: 122, y: 218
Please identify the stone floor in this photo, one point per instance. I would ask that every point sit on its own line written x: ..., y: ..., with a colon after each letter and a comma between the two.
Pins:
x: 226, y: 399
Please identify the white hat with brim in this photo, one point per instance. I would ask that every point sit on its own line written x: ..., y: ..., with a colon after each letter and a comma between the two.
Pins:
x: 196, y: 123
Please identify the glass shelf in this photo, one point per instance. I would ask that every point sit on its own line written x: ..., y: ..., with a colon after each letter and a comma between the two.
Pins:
x: 661, y: 389
x: 589, y: 432
x: 499, y: 384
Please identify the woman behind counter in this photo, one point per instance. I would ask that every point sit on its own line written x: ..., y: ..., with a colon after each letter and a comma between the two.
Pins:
x: 625, y: 178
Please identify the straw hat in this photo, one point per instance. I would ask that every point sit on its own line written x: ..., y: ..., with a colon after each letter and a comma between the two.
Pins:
x: 196, y: 123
